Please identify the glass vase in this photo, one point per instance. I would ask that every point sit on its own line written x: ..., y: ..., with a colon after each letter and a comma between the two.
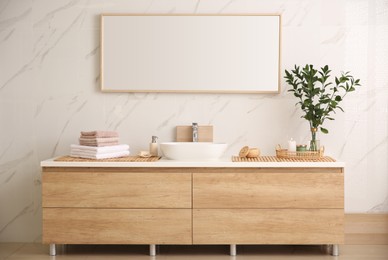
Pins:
x: 314, y: 143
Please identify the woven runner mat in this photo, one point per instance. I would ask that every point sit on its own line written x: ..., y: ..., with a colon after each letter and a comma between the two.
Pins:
x: 119, y: 159
x: 276, y: 159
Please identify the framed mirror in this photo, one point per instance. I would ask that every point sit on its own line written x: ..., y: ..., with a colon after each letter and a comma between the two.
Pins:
x: 190, y: 53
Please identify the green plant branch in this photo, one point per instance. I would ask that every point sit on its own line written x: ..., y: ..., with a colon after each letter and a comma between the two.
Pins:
x: 318, y: 102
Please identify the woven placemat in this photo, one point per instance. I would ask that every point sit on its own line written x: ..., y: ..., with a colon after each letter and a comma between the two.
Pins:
x: 276, y: 159
x: 119, y: 159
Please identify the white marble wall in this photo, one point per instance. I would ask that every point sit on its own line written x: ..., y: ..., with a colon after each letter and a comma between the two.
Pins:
x: 49, y: 92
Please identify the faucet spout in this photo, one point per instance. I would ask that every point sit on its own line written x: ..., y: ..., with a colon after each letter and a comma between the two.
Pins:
x: 195, y: 132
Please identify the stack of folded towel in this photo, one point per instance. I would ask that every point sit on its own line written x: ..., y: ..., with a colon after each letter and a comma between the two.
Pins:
x: 99, y: 138
x: 104, y: 152
x: 99, y: 145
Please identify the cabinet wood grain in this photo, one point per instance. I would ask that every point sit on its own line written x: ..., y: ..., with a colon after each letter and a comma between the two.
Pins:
x: 268, y: 226
x: 146, y: 205
x: 116, y: 190
x: 268, y: 190
x: 117, y: 226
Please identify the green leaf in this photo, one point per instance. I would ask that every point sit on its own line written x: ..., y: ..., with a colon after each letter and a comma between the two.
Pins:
x: 337, y: 81
x: 338, y: 98
x: 324, y: 130
x: 333, y: 103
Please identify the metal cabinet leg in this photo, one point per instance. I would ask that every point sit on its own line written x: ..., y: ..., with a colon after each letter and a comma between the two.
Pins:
x: 52, y: 250
x: 335, y: 250
x: 233, y: 250
x: 152, y: 250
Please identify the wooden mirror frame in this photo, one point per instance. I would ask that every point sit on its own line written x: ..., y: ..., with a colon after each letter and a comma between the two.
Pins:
x: 113, y: 72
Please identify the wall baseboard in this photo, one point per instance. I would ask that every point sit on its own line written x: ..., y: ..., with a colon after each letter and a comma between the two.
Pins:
x: 366, y: 229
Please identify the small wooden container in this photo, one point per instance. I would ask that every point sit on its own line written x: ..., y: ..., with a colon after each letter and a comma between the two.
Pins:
x: 253, y: 152
x: 247, y: 152
x: 244, y: 152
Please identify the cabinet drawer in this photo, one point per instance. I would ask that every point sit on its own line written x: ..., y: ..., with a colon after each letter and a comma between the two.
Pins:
x: 268, y: 226
x: 116, y: 190
x: 116, y: 226
x: 268, y: 190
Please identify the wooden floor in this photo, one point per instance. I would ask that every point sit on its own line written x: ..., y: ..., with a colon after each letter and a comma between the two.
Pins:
x: 12, y: 251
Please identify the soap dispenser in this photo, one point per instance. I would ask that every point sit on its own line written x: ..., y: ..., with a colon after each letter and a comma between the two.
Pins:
x: 154, y: 146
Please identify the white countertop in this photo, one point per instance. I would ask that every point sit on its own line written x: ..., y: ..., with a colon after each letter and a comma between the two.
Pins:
x: 225, y: 162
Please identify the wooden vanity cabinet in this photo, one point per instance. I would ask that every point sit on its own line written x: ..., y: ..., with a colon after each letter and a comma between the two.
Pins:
x: 96, y: 205
x: 268, y: 206
x: 116, y: 206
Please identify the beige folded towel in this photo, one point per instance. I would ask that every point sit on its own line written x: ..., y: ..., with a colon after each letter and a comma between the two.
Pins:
x: 98, y: 144
x: 100, y: 133
x: 99, y: 140
x: 91, y: 137
x: 108, y: 141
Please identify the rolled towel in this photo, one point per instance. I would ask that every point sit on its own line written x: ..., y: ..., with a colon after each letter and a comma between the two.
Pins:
x: 101, y: 156
x: 100, y: 133
x: 105, y: 149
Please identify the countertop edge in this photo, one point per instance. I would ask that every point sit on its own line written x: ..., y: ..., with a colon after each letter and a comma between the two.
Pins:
x: 164, y: 163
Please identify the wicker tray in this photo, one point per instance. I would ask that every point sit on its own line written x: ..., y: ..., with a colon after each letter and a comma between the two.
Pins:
x: 311, y: 155
x: 277, y: 159
x: 119, y: 159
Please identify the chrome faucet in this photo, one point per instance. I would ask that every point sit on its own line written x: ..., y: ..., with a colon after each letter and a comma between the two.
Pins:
x: 195, y: 132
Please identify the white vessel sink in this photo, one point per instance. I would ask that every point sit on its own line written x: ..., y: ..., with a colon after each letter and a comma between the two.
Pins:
x: 188, y: 151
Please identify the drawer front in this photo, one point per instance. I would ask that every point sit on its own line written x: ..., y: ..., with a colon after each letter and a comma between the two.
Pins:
x: 116, y: 190
x: 268, y: 226
x: 268, y: 190
x: 116, y: 226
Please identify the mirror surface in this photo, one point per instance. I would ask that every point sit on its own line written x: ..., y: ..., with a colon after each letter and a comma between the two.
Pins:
x: 190, y: 53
